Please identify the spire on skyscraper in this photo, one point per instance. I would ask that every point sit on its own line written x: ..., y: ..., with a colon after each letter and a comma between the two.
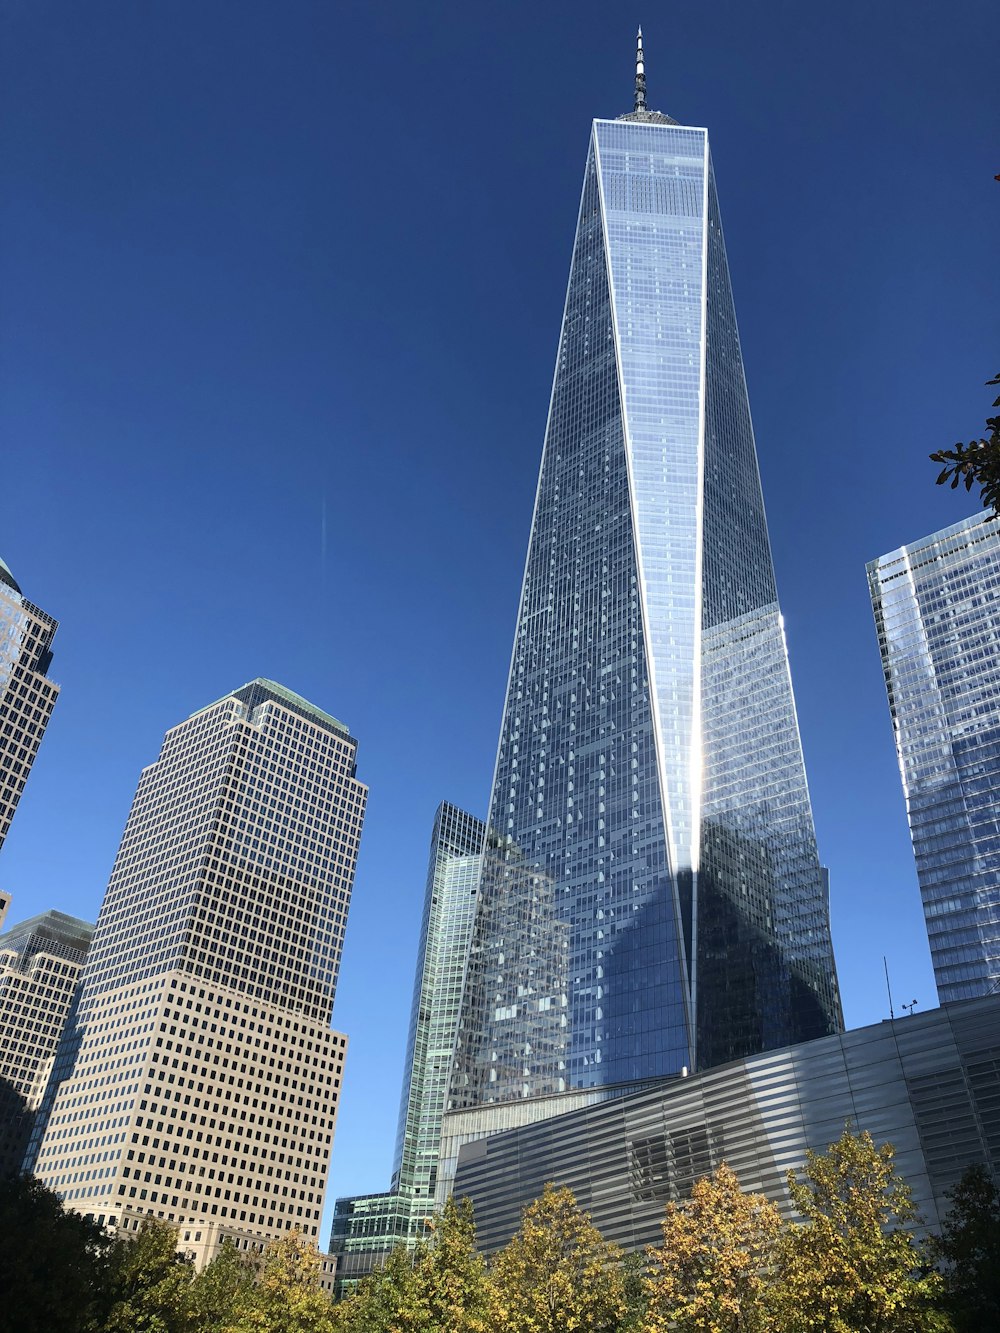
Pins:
x: 640, y: 75
x: 651, y: 896
x: 640, y: 109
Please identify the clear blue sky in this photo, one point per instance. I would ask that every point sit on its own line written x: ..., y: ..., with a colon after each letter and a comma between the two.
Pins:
x: 263, y: 262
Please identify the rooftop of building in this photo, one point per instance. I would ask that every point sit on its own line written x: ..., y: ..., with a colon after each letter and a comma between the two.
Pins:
x: 69, y: 932
x: 260, y: 689
x: 978, y: 527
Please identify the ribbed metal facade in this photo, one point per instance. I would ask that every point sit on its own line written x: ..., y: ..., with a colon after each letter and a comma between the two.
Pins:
x: 929, y: 1084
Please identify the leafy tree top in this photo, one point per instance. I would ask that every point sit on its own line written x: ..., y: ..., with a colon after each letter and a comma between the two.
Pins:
x: 969, y: 1248
x: 558, y: 1274
x: 976, y: 463
x: 852, y: 1265
x: 708, y: 1275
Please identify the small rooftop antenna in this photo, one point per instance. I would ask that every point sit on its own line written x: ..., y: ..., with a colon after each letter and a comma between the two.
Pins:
x: 640, y: 75
x: 910, y: 1008
x: 887, y: 986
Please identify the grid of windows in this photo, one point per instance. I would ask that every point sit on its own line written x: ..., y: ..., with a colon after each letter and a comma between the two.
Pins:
x: 937, y: 613
x: 200, y: 1078
x: 40, y: 964
x: 27, y: 697
x: 651, y: 894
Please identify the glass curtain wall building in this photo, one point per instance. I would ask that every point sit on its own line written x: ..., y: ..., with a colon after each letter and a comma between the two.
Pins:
x: 445, y: 931
x: 366, y: 1227
x: 652, y: 897
x: 937, y: 613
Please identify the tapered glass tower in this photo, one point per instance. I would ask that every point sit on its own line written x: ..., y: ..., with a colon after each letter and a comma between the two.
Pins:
x: 651, y: 896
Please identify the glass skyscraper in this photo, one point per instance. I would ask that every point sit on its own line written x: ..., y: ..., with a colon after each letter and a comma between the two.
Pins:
x: 937, y: 612
x: 449, y: 911
x: 651, y: 896
x: 366, y: 1227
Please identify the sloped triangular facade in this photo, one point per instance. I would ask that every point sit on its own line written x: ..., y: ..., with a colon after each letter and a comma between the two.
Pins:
x: 651, y: 896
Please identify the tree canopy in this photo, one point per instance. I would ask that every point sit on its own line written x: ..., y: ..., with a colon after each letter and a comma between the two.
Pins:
x: 709, y: 1275
x: 52, y: 1262
x: 852, y: 1265
x: 439, y: 1287
x: 976, y: 463
x: 969, y: 1251
x: 558, y: 1273
x: 853, y: 1260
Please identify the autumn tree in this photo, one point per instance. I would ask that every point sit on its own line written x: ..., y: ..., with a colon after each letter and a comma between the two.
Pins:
x: 287, y: 1296
x: 852, y: 1264
x: 438, y: 1287
x: 376, y: 1302
x: 709, y: 1273
x: 219, y: 1297
x: 969, y: 1250
x: 147, y: 1282
x: 558, y: 1273
x: 449, y: 1290
x: 633, y: 1271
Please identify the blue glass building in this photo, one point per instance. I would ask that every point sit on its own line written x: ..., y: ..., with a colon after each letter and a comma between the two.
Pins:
x: 651, y: 895
x: 937, y: 612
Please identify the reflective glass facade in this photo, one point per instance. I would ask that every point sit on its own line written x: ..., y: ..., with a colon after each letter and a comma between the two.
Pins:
x: 937, y: 612
x: 366, y: 1227
x: 651, y: 895
x: 449, y: 910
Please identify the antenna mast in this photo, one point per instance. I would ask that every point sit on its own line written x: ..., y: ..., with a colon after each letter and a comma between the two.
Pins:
x: 640, y: 75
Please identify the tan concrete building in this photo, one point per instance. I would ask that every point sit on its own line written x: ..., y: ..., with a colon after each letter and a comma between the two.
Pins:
x: 201, y: 1082
x: 27, y: 696
x: 40, y: 964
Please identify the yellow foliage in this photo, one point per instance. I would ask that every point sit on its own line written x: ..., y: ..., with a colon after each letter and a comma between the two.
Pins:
x: 558, y: 1274
x: 707, y: 1275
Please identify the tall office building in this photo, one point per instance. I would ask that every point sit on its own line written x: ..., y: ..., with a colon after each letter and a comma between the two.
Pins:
x: 40, y: 964
x: 937, y: 612
x: 655, y: 899
x: 200, y: 1080
x: 367, y: 1227
x: 27, y: 697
